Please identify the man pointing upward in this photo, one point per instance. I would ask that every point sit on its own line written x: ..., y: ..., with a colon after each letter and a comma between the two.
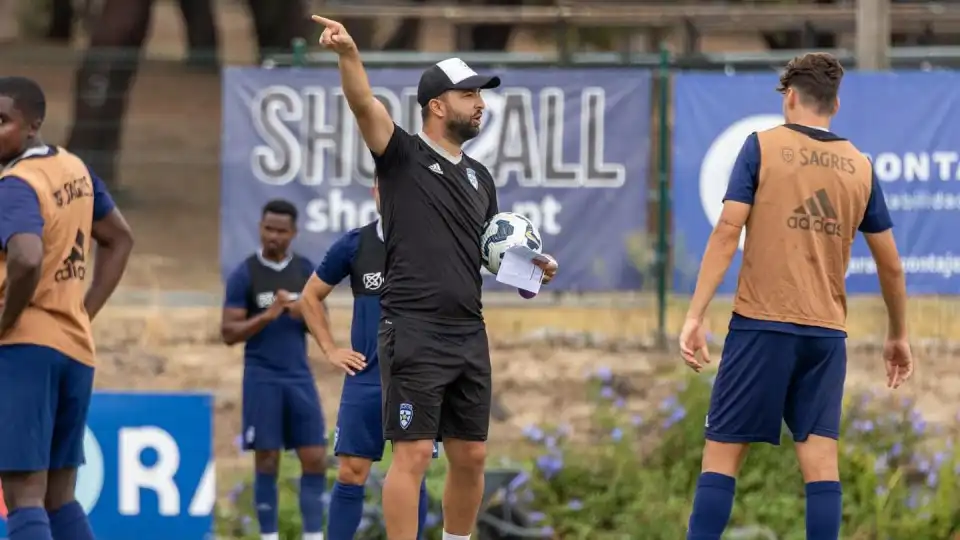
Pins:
x: 434, y: 358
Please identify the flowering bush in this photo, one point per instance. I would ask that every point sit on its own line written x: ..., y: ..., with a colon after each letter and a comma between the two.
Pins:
x: 237, y: 519
x: 637, y: 478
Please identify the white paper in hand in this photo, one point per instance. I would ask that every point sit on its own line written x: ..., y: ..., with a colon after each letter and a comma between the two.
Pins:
x: 517, y: 269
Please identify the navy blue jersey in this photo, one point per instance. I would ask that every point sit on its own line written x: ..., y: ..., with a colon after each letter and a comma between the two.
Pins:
x: 279, y: 351
x: 360, y: 255
x: 20, y: 207
x: 744, y: 180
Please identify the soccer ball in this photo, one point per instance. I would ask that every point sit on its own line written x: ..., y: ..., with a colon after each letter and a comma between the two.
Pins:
x: 504, y: 231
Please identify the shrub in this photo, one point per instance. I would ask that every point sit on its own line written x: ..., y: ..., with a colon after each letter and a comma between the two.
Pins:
x: 237, y: 520
x: 638, y: 477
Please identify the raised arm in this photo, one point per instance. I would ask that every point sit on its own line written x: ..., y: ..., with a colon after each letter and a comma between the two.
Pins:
x: 374, y: 121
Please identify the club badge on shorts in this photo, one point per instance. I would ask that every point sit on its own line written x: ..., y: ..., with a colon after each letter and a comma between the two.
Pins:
x: 472, y: 177
x: 406, y: 415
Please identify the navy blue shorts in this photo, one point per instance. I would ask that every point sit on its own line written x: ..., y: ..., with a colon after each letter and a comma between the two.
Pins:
x: 44, y: 399
x: 767, y: 378
x: 359, y: 430
x: 281, y: 414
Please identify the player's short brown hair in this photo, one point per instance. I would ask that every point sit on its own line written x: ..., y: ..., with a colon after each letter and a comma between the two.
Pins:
x: 816, y: 77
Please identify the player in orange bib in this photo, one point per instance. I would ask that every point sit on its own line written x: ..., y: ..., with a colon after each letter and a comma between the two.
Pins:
x: 51, y: 209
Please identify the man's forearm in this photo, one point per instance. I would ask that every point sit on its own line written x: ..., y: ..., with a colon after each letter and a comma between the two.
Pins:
x: 108, y: 267
x: 355, y: 84
x: 894, y: 289
x: 315, y: 316
x: 716, y: 262
x: 236, y: 332
x: 22, y: 282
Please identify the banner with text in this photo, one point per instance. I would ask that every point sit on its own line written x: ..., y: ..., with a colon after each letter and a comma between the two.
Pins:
x: 905, y: 122
x: 150, y: 472
x: 567, y: 148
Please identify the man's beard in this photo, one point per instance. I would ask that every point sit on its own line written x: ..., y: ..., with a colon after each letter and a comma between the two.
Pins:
x: 461, y: 129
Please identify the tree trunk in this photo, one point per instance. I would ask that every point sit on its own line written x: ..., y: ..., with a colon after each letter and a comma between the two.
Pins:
x: 103, y: 83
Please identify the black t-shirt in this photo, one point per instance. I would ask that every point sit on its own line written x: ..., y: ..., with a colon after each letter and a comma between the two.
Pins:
x: 434, y: 206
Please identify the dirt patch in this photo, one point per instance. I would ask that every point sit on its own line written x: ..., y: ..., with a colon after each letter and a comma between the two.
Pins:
x: 540, y: 377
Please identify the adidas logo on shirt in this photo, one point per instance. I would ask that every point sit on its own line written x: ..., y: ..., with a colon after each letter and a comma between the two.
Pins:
x: 816, y: 214
x: 436, y: 168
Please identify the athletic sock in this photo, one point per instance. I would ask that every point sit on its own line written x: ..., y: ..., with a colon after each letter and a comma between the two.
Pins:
x: 824, y: 510
x: 29, y: 523
x: 712, y: 505
x: 69, y: 522
x: 346, y: 511
x: 424, y: 507
x: 312, y: 487
x: 265, y: 499
x: 448, y: 536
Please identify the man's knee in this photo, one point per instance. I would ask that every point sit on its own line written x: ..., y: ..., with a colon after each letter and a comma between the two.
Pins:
x: 24, y: 489
x: 353, y: 471
x: 412, y: 456
x: 313, y: 459
x: 466, y: 455
x: 818, y: 459
x: 723, y: 458
x: 266, y: 461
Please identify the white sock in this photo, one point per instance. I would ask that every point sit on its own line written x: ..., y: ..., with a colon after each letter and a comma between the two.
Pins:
x: 448, y: 536
x: 270, y: 536
x: 312, y: 536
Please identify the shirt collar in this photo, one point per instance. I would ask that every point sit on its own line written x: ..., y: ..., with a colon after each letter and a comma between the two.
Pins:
x: 439, y: 149
x: 274, y: 265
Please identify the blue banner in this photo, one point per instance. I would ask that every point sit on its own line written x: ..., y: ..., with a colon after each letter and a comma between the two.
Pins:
x: 567, y: 148
x: 150, y: 472
x: 905, y: 122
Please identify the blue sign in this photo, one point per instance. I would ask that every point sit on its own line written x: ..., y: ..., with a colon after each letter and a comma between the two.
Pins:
x: 905, y: 122
x: 150, y: 472
x: 567, y: 148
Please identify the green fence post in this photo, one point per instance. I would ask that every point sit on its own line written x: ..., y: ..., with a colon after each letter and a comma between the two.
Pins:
x: 663, y: 195
x: 299, y: 46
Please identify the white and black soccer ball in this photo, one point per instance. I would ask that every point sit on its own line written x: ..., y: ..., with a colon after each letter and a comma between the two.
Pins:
x: 504, y: 231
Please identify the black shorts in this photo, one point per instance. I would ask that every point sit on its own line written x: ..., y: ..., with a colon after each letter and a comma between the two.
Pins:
x: 436, y: 381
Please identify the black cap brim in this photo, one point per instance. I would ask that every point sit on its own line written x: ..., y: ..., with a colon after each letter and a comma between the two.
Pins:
x: 477, y: 82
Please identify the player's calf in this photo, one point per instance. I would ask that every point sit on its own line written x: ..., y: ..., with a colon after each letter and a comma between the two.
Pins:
x: 68, y: 520
x: 23, y: 493
x: 464, y: 489
x: 313, y: 484
x: 713, y: 501
x: 819, y: 464
x: 402, y: 485
x: 266, y: 466
x: 346, y: 502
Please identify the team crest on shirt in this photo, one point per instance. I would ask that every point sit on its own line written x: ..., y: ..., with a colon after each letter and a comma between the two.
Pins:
x: 472, y: 177
x: 406, y: 415
x: 372, y: 281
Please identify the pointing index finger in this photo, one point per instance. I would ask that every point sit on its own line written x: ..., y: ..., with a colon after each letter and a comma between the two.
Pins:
x: 324, y: 21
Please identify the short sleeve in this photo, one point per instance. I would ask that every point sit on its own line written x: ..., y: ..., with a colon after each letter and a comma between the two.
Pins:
x: 876, y: 218
x: 19, y: 209
x: 746, y: 172
x: 238, y: 287
x: 339, y: 258
x: 494, y: 207
x: 396, y: 152
x: 102, y: 201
